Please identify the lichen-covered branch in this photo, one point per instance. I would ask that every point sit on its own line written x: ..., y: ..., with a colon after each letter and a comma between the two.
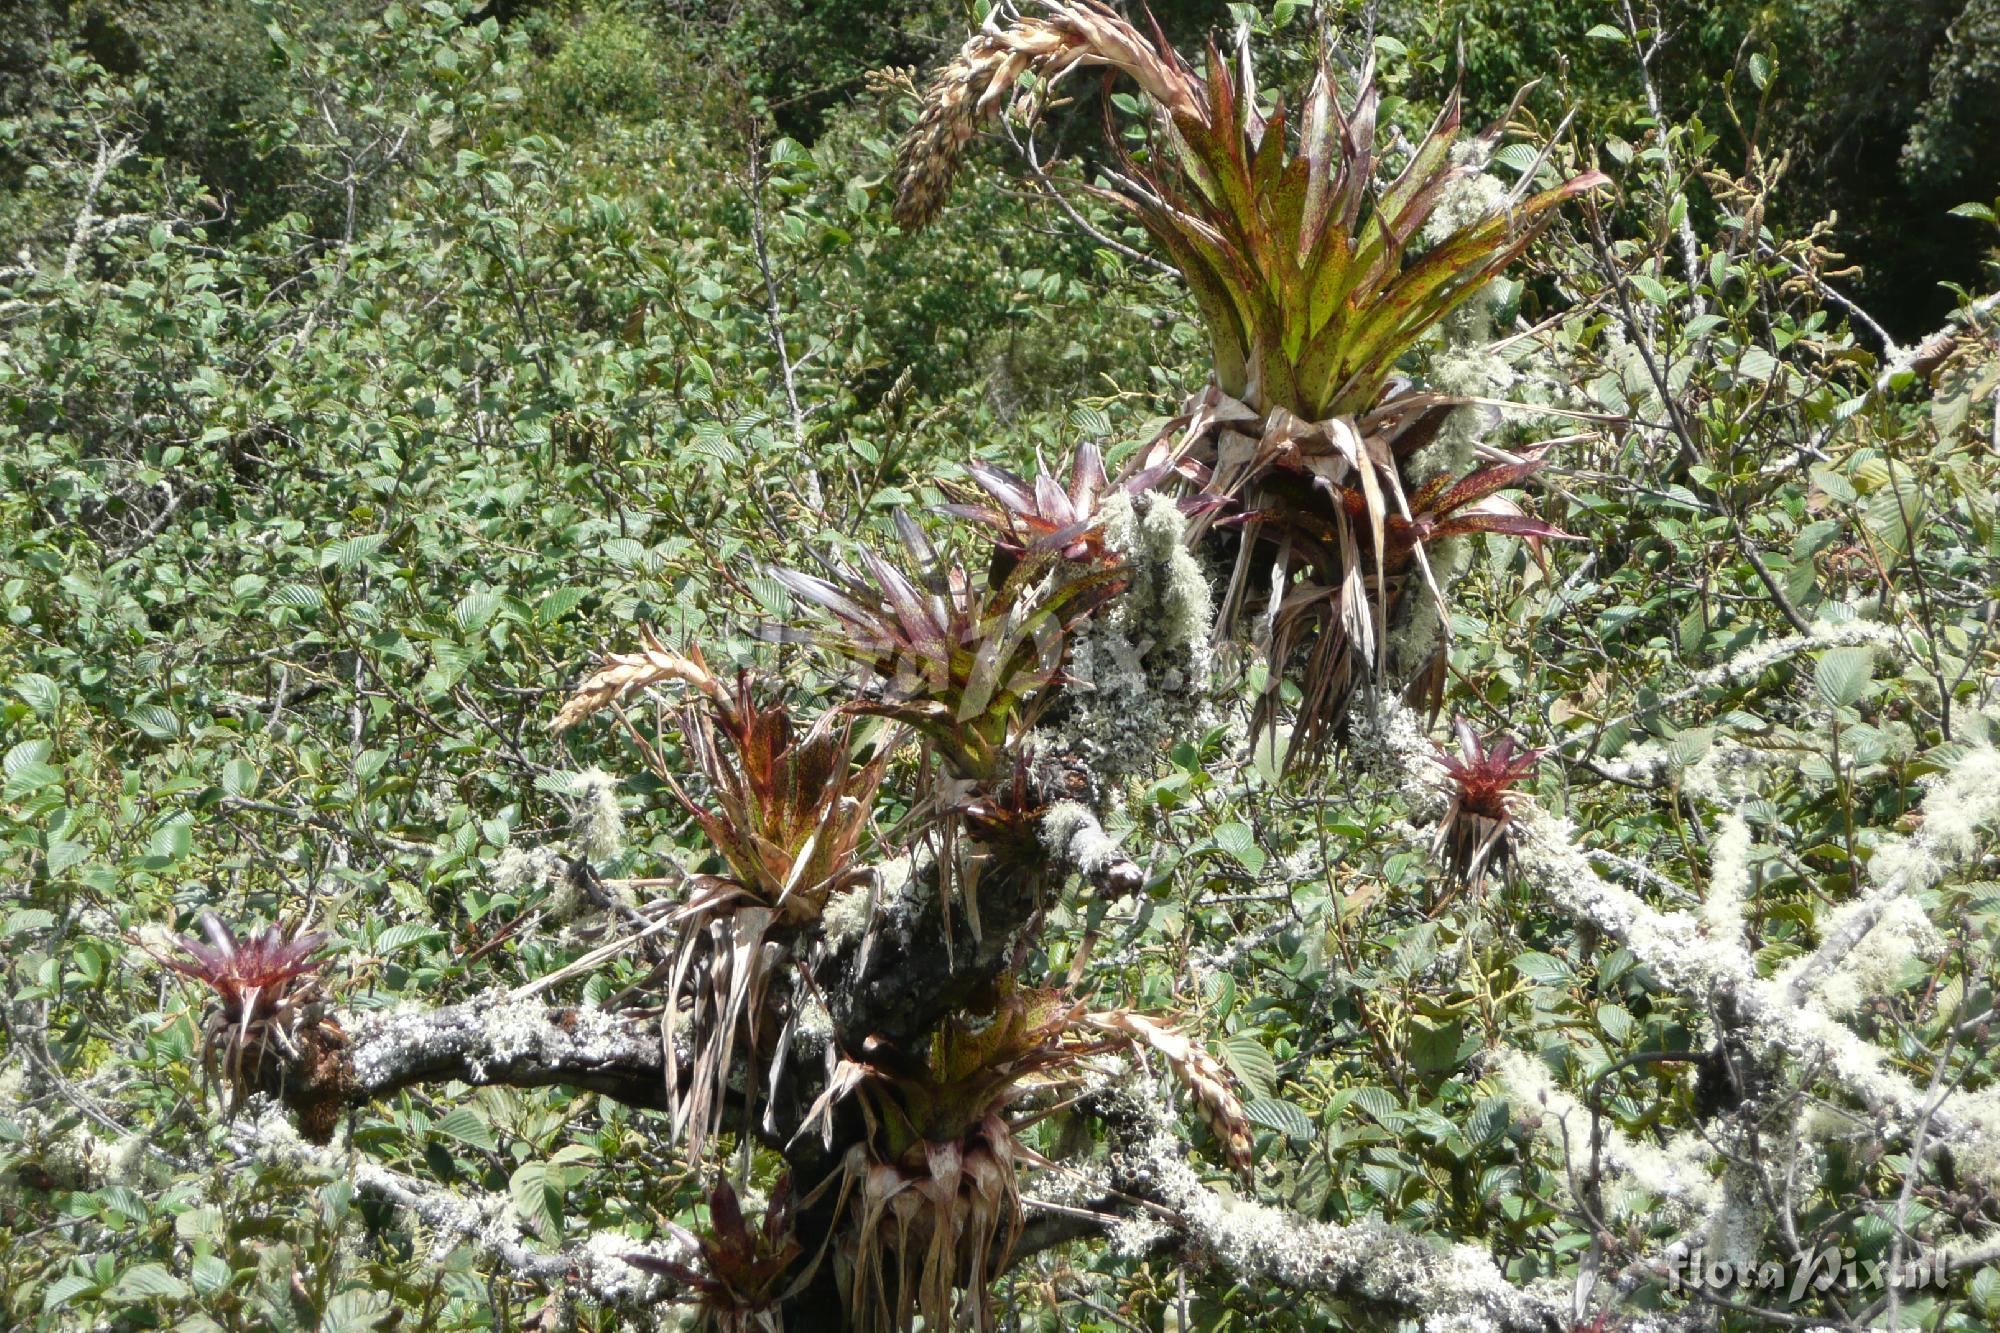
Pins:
x: 520, y: 1043
x: 1371, y: 1263
x: 1716, y: 972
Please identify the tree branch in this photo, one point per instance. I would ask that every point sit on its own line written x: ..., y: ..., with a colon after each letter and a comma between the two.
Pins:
x: 519, y: 1043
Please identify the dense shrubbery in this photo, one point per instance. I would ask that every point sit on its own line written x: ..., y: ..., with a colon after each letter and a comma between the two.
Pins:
x: 367, y: 372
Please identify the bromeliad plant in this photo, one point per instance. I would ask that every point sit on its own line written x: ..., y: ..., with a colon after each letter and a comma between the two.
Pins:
x: 927, y: 1199
x: 966, y: 665
x: 788, y: 816
x: 1035, y: 519
x: 737, y: 1276
x: 1315, y: 273
x: 267, y: 1031
x: 1476, y: 833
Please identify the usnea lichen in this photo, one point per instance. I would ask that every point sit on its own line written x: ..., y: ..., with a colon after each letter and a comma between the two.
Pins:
x: 1141, y: 667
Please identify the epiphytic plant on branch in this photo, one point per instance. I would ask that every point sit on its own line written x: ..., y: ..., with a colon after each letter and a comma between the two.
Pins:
x: 929, y: 1194
x: 741, y: 1274
x: 1476, y: 833
x: 966, y: 664
x: 788, y: 816
x: 267, y: 1030
x: 1314, y: 279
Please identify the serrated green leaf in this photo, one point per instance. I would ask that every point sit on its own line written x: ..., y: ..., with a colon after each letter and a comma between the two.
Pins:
x: 155, y: 721
x: 66, y: 1289
x: 1248, y: 1059
x: 1283, y: 1116
x: 537, y: 1191
x: 1842, y: 675
x: 147, y: 1282
x: 351, y: 551
x: 239, y: 777
x: 126, y: 1202
x: 29, y: 779
x: 1542, y: 969
x: 1239, y: 841
x: 38, y: 692
x: 404, y: 935
x: 210, y: 1273
x: 468, y: 1127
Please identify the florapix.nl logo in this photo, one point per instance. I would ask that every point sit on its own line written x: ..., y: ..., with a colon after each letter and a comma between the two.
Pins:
x: 1809, y: 1272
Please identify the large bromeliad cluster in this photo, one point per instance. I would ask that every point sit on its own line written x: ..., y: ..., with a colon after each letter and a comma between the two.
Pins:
x: 917, y: 1128
x: 1314, y: 279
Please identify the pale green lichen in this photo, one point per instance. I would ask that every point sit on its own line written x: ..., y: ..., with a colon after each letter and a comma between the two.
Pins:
x: 846, y: 916
x: 597, y: 823
x: 1729, y: 879
x: 1076, y: 839
x: 1673, y: 1176
x: 1141, y: 667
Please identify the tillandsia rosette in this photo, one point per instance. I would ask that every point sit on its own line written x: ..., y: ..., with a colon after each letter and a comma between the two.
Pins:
x: 787, y: 814
x: 1475, y: 836
x: 267, y: 1030
x: 966, y: 663
x: 736, y: 1276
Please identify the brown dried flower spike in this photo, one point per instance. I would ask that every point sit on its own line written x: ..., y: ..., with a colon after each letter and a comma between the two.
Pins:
x: 1475, y: 835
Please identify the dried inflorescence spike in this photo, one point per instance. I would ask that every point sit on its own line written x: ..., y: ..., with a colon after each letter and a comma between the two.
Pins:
x: 625, y: 674
x: 266, y: 1024
x: 1215, y: 1101
x: 973, y: 85
x: 1475, y: 835
x: 737, y: 1282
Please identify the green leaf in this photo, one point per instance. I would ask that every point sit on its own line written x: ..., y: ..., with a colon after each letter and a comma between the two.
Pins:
x: 1650, y: 288
x: 39, y: 693
x: 172, y: 840
x: 537, y: 1191
x: 1240, y: 842
x: 239, y: 777
x: 25, y: 919
x: 1842, y: 675
x: 1281, y: 1115
x: 155, y: 721
x: 468, y: 1127
x: 404, y: 935
x: 66, y: 1289
x: 126, y: 1202
x: 1757, y: 364
x: 30, y: 778
x: 1542, y: 969
x: 1985, y: 1290
x: 148, y: 1282
x: 211, y: 1274
x: 348, y: 553
x: 1250, y: 1061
